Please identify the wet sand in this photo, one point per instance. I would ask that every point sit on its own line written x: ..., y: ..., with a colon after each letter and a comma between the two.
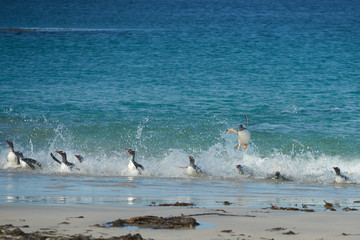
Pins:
x: 215, y: 223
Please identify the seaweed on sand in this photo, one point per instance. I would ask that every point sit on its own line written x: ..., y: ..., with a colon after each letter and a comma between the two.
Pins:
x: 274, y: 207
x: 177, y: 204
x: 155, y: 222
x: 9, y: 231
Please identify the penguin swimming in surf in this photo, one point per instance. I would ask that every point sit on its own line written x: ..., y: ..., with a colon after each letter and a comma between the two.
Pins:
x: 28, y: 162
x: 278, y: 176
x: 340, y: 178
x: 134, y: 168
x: 12, y: 158
x: 193, y: 169
x: 79, y: 158
x: 243, y: 133
x: 66, y: 166
x: 244, y: 170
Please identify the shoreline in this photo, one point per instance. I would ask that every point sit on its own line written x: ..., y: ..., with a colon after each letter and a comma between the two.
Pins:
x: 215, y: 223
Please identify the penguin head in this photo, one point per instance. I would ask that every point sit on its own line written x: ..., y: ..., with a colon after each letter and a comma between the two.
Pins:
x: 11, y: 145
x: 79, y: 157
x: 130, y: 151
x: 240, y: 169
x: 61, y: 153
x: 337, y: 170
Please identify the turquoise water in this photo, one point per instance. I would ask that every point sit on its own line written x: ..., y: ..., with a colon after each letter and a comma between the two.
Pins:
x: 166, y: 78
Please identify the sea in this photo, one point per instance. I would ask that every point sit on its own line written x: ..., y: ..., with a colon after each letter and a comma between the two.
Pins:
x: 166, y: 78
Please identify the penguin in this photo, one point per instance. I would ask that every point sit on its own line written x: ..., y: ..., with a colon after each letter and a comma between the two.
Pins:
x: 193, y: 169
x: 244, y: 135
x: 134, y: 168
x: 12, y: 158
x: 28, y: 162
x: 244, y: 170
x: 278, y: 176
x: 66, y: 166
x: 79, y: 158
x: 340, y: 178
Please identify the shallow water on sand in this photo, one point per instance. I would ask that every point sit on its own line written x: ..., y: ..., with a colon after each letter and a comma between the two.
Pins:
x: 64, y: 189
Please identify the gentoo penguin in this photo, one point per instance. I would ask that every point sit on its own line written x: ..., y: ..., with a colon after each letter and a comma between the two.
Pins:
x: 243, y: 170
x: 280, y: 177
x: 339, y: 178
x: 65, y: 165
x: 243, y: 134
x: 134, y: 168
x: 80, y: 158
x: 192, y: 169
x: 28, y: 162
x: 12, y: 158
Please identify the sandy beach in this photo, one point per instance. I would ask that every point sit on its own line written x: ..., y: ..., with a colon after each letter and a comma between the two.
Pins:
x: 220, y: 223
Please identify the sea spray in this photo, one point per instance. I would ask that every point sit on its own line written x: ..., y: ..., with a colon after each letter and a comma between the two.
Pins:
x: 218, y: 161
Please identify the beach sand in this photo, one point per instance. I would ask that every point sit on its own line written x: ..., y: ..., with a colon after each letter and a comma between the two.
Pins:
x: 220, y: 223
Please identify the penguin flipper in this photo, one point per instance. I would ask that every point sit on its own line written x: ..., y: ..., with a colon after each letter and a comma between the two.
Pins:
x: 231, y: 130
x: 55, y: 159
x: 140, y: 166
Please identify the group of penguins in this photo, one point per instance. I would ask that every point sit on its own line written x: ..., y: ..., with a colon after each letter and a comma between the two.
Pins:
x: 244, y: 138
x: 16, y: 159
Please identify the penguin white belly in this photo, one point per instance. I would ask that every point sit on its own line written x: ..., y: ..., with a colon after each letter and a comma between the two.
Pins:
x: 65, y: 168
x: 339, y: 179
x: 244, y: 136
x: 192, y: 171
x: 13, y: 159
x: 132, y: 169
x: 23, y: 164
